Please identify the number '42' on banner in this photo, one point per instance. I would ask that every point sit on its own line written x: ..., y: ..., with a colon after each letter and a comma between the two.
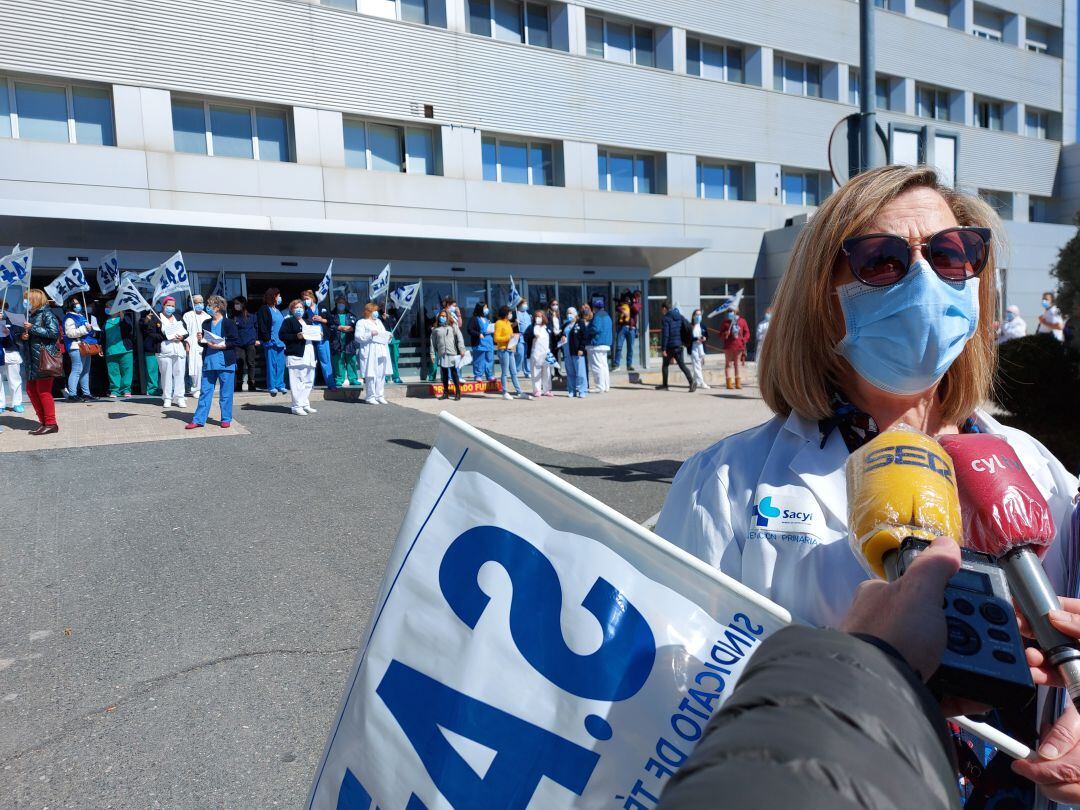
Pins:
x: 530, y: 648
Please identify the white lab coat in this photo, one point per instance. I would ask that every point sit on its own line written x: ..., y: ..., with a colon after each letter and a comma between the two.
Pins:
x: 193, y: 322
x: 372, y: 342
x: 1010, y: 330
x: 801, y: 559
x: 1053, y: 315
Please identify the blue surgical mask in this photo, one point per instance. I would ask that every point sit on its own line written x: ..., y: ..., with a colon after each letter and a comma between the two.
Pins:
x: 486, y: 312
x: 340, y: 307
x: 169, y: 310
x: 1046, y: 304
x: 903, y: 338
x: 200, y: 307
x: 442, y: 320
x: 298, y: 312
x: 1010, y: 315
x: 77, y: 308
x: 731, y: 316
x: 26, y: 304
x: 309, y: 304
x: 697, y: 319
x: 768, y: 315
x: 279, y: 300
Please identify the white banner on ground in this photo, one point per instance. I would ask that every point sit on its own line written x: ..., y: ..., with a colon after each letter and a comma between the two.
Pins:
x: 71, y: 281
x: 531, y: 648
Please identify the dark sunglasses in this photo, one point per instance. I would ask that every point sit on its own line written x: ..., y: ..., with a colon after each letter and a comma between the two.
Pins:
x: 881, y: 259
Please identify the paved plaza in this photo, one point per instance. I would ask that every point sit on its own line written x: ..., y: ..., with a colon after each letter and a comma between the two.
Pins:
x: 179, y: 609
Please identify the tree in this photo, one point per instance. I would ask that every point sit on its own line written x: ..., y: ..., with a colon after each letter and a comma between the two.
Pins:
x: 1067, y: 272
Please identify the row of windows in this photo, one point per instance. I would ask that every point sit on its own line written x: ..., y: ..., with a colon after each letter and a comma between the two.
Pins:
x: 47, y: 111
x: 987, y: 23
x: 511, y: 21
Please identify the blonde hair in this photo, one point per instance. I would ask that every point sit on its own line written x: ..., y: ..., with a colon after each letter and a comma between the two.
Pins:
x: 37, y: 299
x: 370, y: 307
x: 798, y: 367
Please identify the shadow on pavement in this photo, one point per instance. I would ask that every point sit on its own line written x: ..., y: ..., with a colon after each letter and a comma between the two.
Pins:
x: 19, y: 423
x: 411, y: 444
x: 247, y: 406
x: 730, y: 395
x: 659, y: 471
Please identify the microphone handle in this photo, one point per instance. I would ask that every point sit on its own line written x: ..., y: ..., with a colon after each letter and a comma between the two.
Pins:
x: 1033, y: 592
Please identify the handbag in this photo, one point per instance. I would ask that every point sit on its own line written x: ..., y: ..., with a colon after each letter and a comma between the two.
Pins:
x: 49, y: 364
x: 89, y: 349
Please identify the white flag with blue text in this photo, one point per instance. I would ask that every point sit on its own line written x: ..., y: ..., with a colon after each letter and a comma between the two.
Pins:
x: 326, y: 284
x: 65, y: 285
x: 108, y: 273
x: 171, y: 277
x: 128, y: 297
x: 16, y: 268
x: 380, y: 283
x: 530, y: 648
x: 405, y: 296
x: 145, y: 281
x: 219, y: 285
x: 730, y: 302
x: 515, y: 296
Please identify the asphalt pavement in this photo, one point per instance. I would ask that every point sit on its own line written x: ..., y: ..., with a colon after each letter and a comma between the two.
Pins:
x: 177, y: 619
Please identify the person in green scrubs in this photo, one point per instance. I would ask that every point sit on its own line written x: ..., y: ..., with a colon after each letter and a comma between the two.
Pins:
x: 119, y: 345
x: 342, y: 356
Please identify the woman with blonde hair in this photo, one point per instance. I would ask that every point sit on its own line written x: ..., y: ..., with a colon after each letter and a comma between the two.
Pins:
x: 885, y: 317
x: 373, y: 354
x: 43, y: 361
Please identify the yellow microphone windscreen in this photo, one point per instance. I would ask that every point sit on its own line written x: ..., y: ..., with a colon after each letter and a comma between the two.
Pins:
x: 900, y: 484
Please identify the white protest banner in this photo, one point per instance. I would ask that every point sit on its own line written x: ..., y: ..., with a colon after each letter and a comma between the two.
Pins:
x: 515, y: 296
x: 219, y: 285
x: 323, y: 289
x: 404, y: 297
x: 16, y: 268
x: 731, y: 302
x: 128, y: 297
x: 531, y: 648
x: 171, y: 277
x: 65, y: 285
x: 381, y: 282
x: 145, y: 281
x: 108, y: 273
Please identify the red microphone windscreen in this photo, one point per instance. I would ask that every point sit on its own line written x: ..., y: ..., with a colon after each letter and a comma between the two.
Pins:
x: 1001, y: 507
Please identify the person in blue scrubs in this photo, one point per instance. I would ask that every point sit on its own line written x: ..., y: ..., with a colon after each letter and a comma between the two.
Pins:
x: 218, y: 365
x: 269, y: 319
x: 313, y: 313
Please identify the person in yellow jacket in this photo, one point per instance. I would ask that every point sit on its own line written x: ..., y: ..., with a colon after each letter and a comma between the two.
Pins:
x: 504, y: 336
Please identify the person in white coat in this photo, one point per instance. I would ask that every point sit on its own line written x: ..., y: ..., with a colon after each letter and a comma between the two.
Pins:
x: 885, y: 318
x: 700, y: 332
x: 11, y: 384
x: 193, y: 322
x: 300, y: 358
x: 171, y: 354
x: 1013, y: 326
x: 1050, y: 320
x: 373, y: 354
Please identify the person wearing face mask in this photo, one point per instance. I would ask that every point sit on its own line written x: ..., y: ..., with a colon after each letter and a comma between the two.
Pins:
x: 300, y: 358
x: 11, y: 362
x: 172, y: 354
x: 150, y: 331
x: 268, y: 321
x: 447, y: 347
x: 372, y: 342
x: 555, y: 321
x: 193, y: 321
x: 599, y: 336
x: 700, y: 334
x: 481, y: 328
x: 119, y: 351
x: 539, y: 341
x: 503, y: 337
x: 40, y: 335
x: 735, y: 333
x: 762, y: 330
x: 315, y: 314
x: 342, y: 327
x: 521, y: 323
x: 247, y: 345
x: 220, y: 339
x: 675, y: 333
x: 888, y: 300
x: 78, y: 338
x: 574, y: 345
x: 1050, y: 320
x: 390, y: 317
x: 1013, y: 326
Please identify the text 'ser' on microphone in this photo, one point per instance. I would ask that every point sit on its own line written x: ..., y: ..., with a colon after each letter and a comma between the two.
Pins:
x: 1007, y: 517
x: 901, y: 494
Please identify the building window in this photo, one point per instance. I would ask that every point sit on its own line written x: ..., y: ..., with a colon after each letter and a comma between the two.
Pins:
x: 796, y: 76
x: 1037, y: 37
x: 507, y: 160
x: 988, y: 23
x: 800, y: 187
x: 931, y: 102
x: 1038, y: 209
x: 714, y: 61
x: 882, y: 98
x: 226, y: 130
x: 388, y: 148
x: 511, y: 21
x: 1000, y: 201
x: 408, y: 10
x: 945, y: 147
x: 619, y: 41
x: 719, y: 181
x: 49, y: 111
x: 1036, y: 123
x: 626, y: 171
x: 989, y: 114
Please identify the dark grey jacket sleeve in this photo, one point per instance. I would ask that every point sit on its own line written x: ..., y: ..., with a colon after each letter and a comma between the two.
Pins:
x: 821, y: 720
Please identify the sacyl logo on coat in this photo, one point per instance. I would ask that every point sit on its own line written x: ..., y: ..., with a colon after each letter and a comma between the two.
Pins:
x: 764, y: 511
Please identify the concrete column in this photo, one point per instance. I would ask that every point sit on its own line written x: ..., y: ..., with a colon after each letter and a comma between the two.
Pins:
x: 1015, y: 32
x: 904, y: 96
x: 759, y: 67
x: 127, y: 113
x: 681, y: 175
x: 962, y: 15
x: 331, y: 139
x: 461, y: 152
x: 1014, y: 117
x: 1069, y: 80
x: 157, y: 126
x: 305, y: 125
x: 575, y: 18
x: 579, y: 165
x: 686, y: 293
x: 1021, y: 202
x: 456, y: 14
x: 834, y: 82
x: 679, y: 57
x: 766, y: 178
